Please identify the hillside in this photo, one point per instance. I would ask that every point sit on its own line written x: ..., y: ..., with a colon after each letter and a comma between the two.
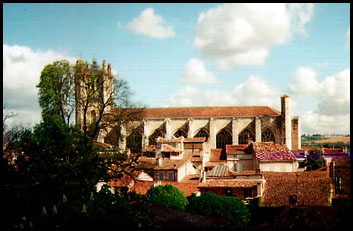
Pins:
x: 344, y: 139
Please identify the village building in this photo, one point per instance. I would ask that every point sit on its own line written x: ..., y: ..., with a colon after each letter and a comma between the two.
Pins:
x: 220, y: 125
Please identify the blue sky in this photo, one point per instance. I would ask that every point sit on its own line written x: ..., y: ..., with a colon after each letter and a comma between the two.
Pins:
x: 191, y: 54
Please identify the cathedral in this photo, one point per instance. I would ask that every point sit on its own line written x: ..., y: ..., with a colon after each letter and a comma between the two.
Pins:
x: 220, y: 125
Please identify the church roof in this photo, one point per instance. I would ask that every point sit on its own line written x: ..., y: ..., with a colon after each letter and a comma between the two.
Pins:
x: 236, y: 111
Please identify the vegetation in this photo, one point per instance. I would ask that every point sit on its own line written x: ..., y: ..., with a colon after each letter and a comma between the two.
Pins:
x: 314, y: 160
x: 167, y: 195
x: 51, y: 171
x: 57, y: 97
x: 227, y: 207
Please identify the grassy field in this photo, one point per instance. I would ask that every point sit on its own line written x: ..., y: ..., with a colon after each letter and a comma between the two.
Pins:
x: 345, y: 139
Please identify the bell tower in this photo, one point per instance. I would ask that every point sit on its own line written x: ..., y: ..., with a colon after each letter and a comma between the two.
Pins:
x: 94, y: 91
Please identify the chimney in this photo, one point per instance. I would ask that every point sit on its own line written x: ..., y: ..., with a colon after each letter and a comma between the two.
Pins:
x: 159, y: 161
x: 203, y: 176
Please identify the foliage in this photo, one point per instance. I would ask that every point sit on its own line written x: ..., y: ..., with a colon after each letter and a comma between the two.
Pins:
x: 227, y: 207
x: 57, y: 91
x: 52, y: 160
x: 167, y: 195
x: 314, y: 160
x: 58, y: 98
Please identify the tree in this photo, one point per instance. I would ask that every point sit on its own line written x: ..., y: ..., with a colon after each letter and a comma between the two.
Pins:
x: 53, y: 159
x: 56, y: 91
x: 227, y: 207
x: 100, y: 101
x: 314, y: 160
x: 167, y: 195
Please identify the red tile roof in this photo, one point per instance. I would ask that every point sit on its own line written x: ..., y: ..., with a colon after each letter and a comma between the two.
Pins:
x: 233, y: 183
x: 169, y: 148
x: 176, y: 140
x: 310, y: 188
x: 141, y: 187
x: 208, y: 111
x: 240, y: 148
x: 151, y: 163
x: 268, y: 147
x: 275, y: 156
x: 195, y: 140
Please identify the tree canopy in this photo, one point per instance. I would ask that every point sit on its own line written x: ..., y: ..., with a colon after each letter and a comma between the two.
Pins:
x: 227, y: 207
x: 167, y: 195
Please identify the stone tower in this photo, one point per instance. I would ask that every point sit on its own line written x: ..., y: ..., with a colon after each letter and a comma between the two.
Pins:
x: 287, y: 121
x: 92, y: 90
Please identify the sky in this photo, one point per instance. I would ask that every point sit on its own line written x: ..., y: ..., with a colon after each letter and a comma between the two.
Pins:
x: 183, y: 55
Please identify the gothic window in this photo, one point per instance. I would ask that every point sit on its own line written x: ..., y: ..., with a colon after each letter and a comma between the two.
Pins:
x: 181, y: 132
x: 154, y: 136
x: 202, y: 133
x: 245, y: 135
x: 267, y: 136
x: 223, y: 138
x: 93, y: 116
x: 134, y: 142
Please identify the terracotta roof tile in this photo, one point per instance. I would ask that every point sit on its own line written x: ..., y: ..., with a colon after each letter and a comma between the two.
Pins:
x: 151, y: 163
x: 195, y: 140
x: 176, y: 140
x: 229, y: 183
x: 208, y: 111
x: 268, y: 147
x: 310, y: 188
x: 275, y: 156
x: 240, y: 148
x: 169, y: 148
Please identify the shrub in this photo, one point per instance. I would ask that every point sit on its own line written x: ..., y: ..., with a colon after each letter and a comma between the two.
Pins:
x: 227, y: 207
x: 167, y: 195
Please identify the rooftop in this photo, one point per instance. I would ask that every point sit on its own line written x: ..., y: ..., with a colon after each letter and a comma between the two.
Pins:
x: 310, y: 188
x: 174, y: 112
x: 167, y: 164
x: 275, y: 156
x: 229, y: 183
x: 268, y: 147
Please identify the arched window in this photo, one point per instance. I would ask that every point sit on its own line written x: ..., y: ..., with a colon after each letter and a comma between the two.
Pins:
x: 202, y: 133
x: 223, y: 138
x: 154, y: 136
x: 245, y: 135
x: 93, y: 116
x: 134, y: 142
x: 181, y: 132
x: 267, y: 136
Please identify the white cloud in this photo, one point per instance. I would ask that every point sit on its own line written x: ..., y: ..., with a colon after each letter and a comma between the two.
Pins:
x: 151, y: 25
x: 347, y: 42
x: 187, y: 96
x: 21, y: 71
x: 332, y: 94
x: 196, y: 72
x: 255, y: 91
x: 242, y: 34
x: 312, y: 122
x: 304, y: 81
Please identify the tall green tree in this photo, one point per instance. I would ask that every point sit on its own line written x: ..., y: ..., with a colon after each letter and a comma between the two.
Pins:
x: 64, y: 89
x: 56, y: 91
x: 54, y: 159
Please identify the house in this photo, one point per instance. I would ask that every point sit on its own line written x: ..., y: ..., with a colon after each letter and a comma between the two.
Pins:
x: 272, y: 157
x: 296, y: 188
x: 238, y: 159
x: 339, y: 172
x: 245, y: 185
